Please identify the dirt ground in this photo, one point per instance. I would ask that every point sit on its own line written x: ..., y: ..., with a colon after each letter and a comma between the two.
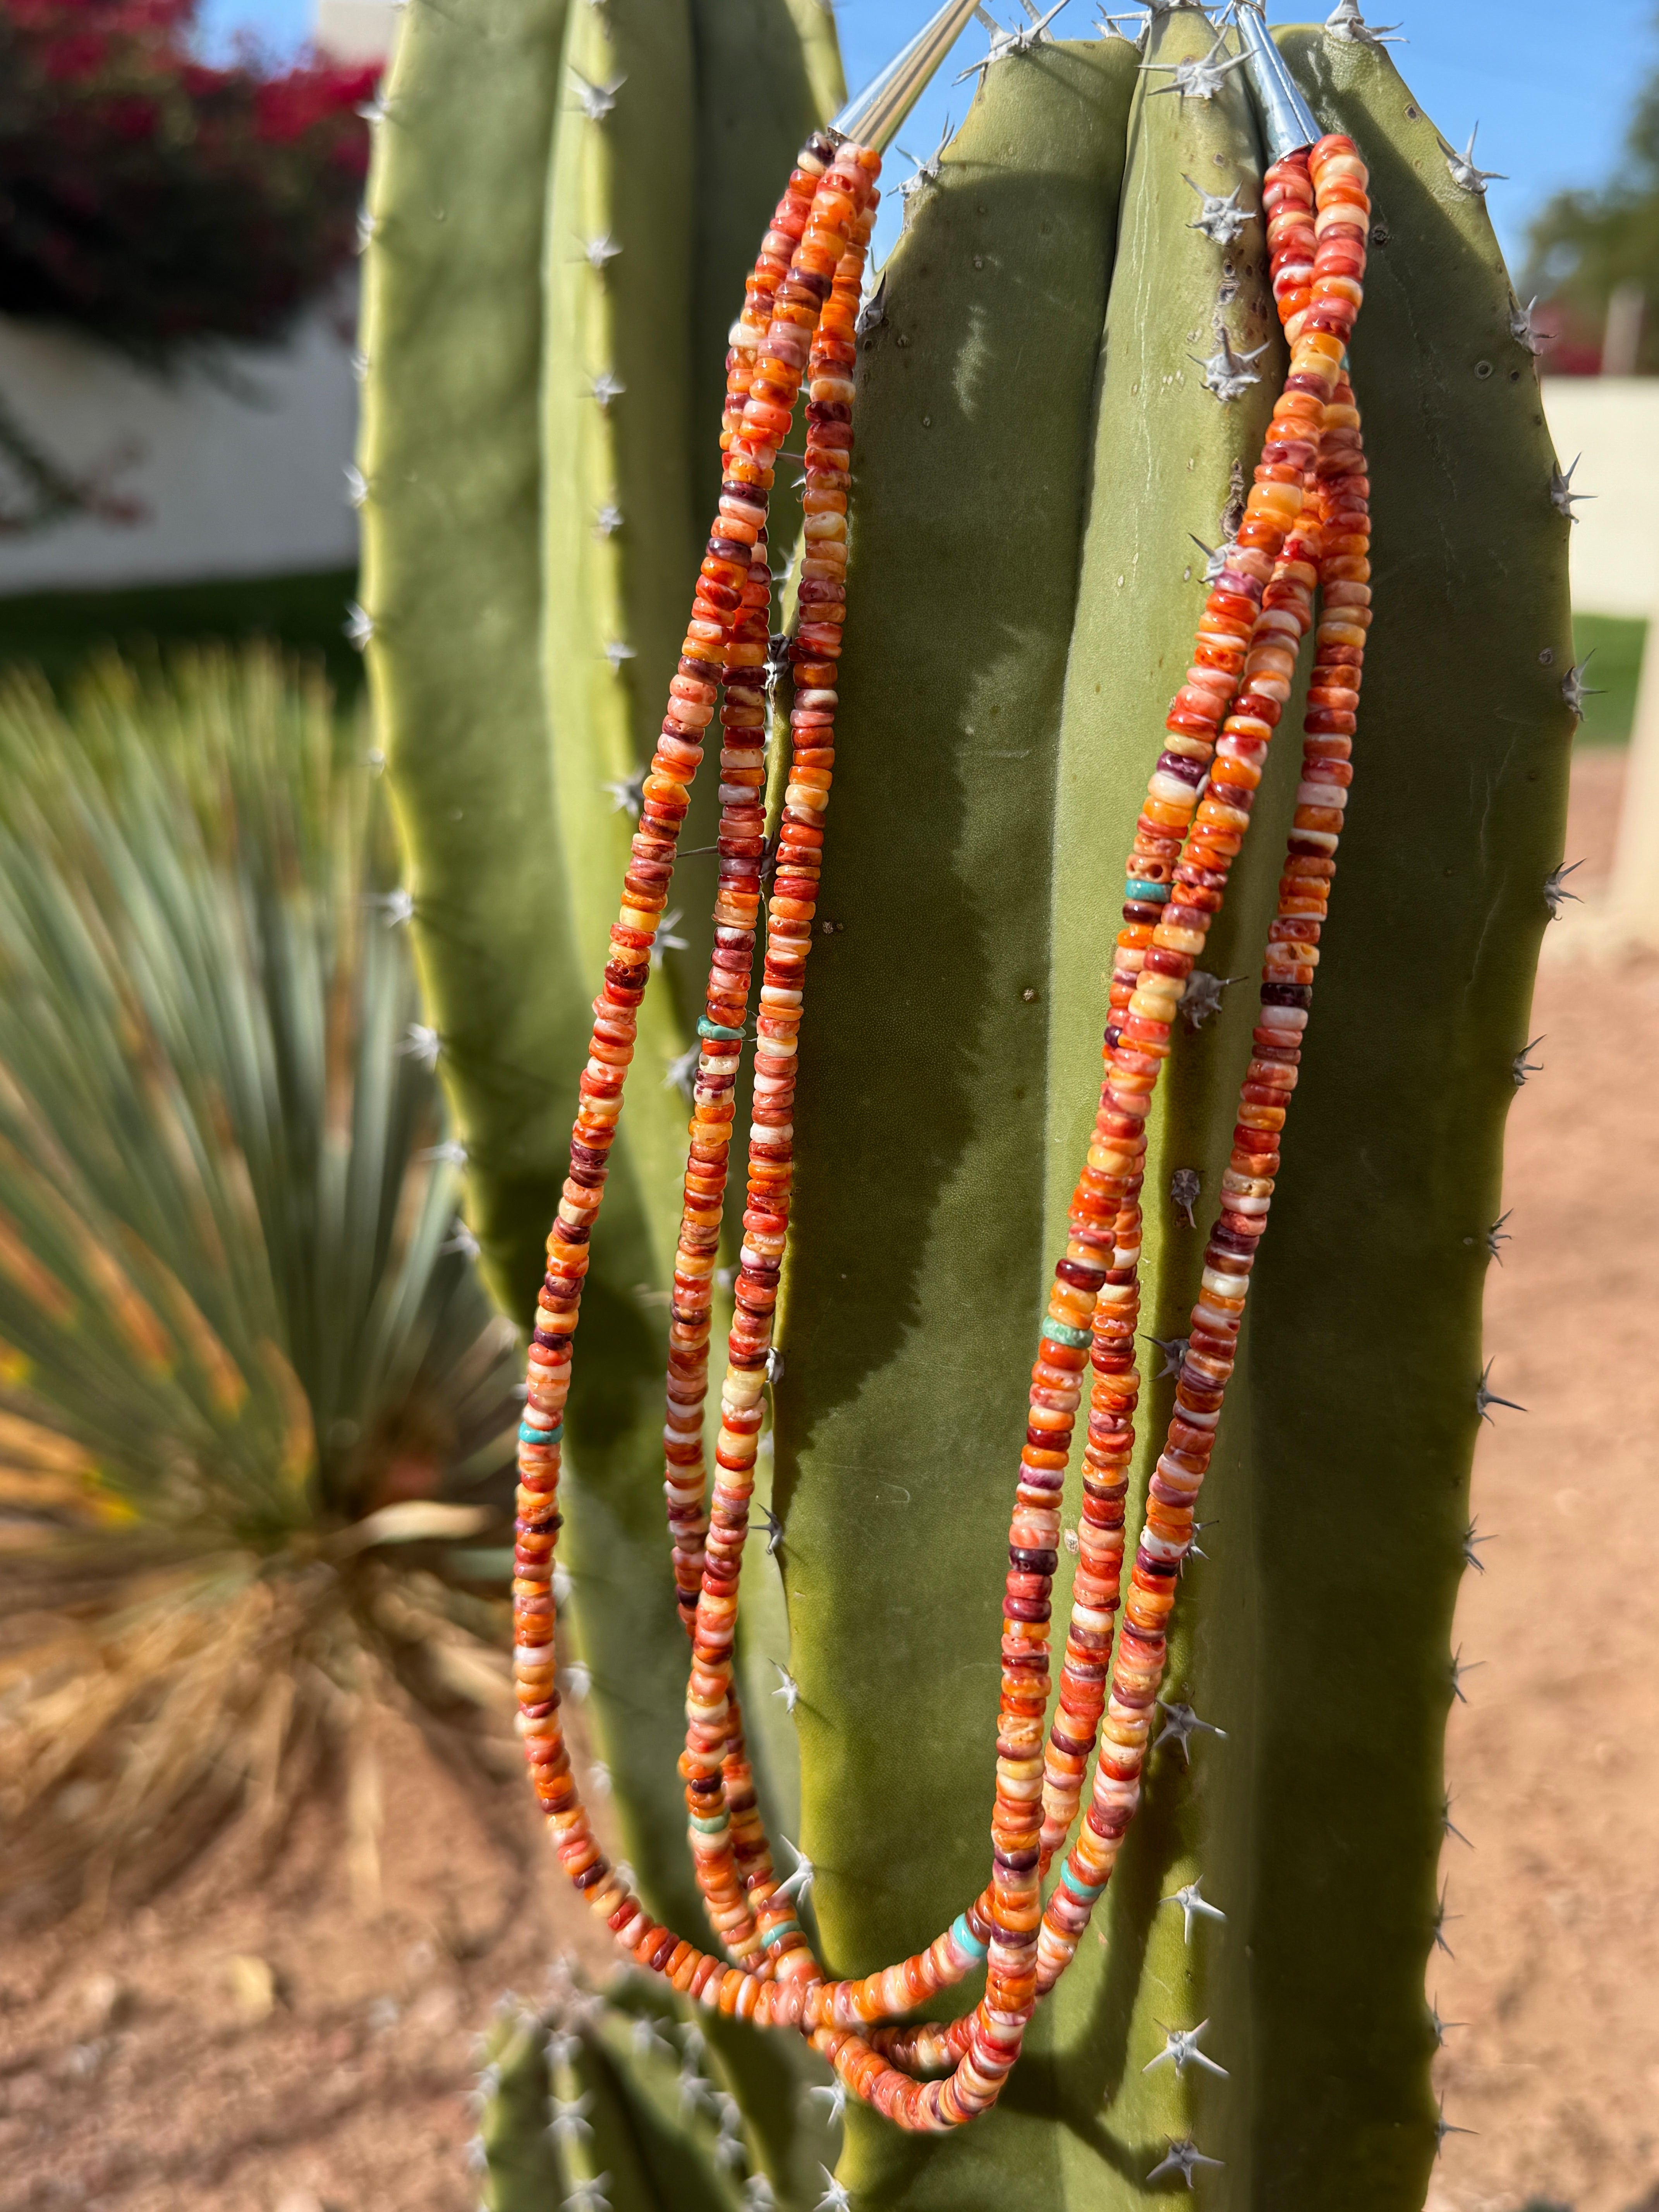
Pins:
x: 272, y: 2050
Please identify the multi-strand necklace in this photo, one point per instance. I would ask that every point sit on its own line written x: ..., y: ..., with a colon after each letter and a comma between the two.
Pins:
x: 1305, y: 525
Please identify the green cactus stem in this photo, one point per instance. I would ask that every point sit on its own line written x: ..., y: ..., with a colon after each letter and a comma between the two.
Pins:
x: 1058, y: 395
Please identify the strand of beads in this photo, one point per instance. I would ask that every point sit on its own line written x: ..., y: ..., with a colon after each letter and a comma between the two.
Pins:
x: 1241, y: 617
x: 728, y: 1839
x: 740, y: 847
x: 843, y: 183
x: 1307, y: 275
x: 1325, y: 311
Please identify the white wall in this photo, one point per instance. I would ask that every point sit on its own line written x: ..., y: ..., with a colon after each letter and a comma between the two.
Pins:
x: 1613, y: 422
x: 357, y: 30
x: 245, y: 477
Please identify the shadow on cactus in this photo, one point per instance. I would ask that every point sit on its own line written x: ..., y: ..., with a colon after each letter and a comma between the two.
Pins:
x: 250, y: 1393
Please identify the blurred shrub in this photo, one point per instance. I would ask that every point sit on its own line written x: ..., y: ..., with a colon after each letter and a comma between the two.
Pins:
x: 155, y: 202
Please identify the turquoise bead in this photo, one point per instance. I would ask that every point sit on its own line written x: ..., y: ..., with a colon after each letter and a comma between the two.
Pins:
x: 1063, y: 1333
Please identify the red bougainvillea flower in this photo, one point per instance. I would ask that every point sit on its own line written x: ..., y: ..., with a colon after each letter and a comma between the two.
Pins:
x: 155, y: 203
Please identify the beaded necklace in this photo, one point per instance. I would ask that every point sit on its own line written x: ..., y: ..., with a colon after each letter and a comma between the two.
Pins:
x: 1306, y: 523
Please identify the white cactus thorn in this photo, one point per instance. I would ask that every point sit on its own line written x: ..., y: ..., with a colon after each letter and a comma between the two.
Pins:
x: 665, y: 941
x: 1575, y: 690
x: 1181, y: 1723
x: 1521, y: 327
x: 367, y: 227
x: 696, y: 2092
x: 1227, y: 374
x: 798, y: 1883
x: 1464, y: 174
x: 570, y: 2123
x: 1216, y: 557
x: 1442, y: 2128
x: 1184, y: 2158
x: 451, y: 1153
x: 1460, y: 1665
x: 378, y: 110
x: 598, y: 1779
x: 561, y: 1585
x: 729, y: 2152
x: 758, y: 2195
x: 375, y: 760
x: 1441, y: 1920
x: 1004, y: 43
x: 788, y: 1688
x: 601, y: 250
x: 626, y: 1876
x: 1448, y: 1826
x: 1345, y: 23
x: 1562, y: 494
x: 617, y: 652
x: 1181, y: 2050
x: 356, y: 485
x: 589, y: 2196
x: 925, y: 173
x: 578, y: 1681
x: 1194, y: 1906
x: 1473, y: 1541
x: 1439, y: 2028
x: 597, y: 100
x: 359, y: 625
x: 1498, y: 1234
x: 682, y: 1073
x: 776, y: 1365
x: 1194, y: 1549
x: 1174, y: 1349
x: 1556, y: 893
x: 692, y: 2038
x: 563, y: 2048
x: 396, y: 907
x: 834, y: 2197
x: 1202, y: 996
x: 627, y: 793
x: 477, y: 2157
x: 421, y: 1044
x: 834, y: 2097
x: 730, y: 2111
x: 1202, y: 77
x: 873, y: 312
x: 645, y: 2036
x: 607, y: 520
x: 461, y: 1240
x: 1485, y: 1398
x: 774, y: 1533
x: 605, y: 387
x: 359, y: 363
x: 1523, y: 1065
x: 1221, y: 219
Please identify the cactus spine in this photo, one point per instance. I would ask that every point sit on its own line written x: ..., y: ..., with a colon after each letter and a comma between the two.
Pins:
x: 1035, y: 444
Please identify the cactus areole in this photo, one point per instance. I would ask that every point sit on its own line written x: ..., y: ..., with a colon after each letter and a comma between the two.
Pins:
x: 1305, y: 525
x: 999, y: 574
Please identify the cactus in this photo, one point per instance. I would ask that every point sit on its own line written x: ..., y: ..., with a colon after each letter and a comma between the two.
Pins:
x: 608, y: 2097
x: 1047, y: 416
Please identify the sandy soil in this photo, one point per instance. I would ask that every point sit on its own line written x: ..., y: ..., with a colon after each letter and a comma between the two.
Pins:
x: 1554, y: 1759
x: 270, y: 2049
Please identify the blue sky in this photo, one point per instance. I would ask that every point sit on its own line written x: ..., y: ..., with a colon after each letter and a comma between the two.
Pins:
x: 1551, y: 100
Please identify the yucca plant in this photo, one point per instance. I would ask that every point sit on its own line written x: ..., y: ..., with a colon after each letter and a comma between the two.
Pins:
x: 250, y: 1390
